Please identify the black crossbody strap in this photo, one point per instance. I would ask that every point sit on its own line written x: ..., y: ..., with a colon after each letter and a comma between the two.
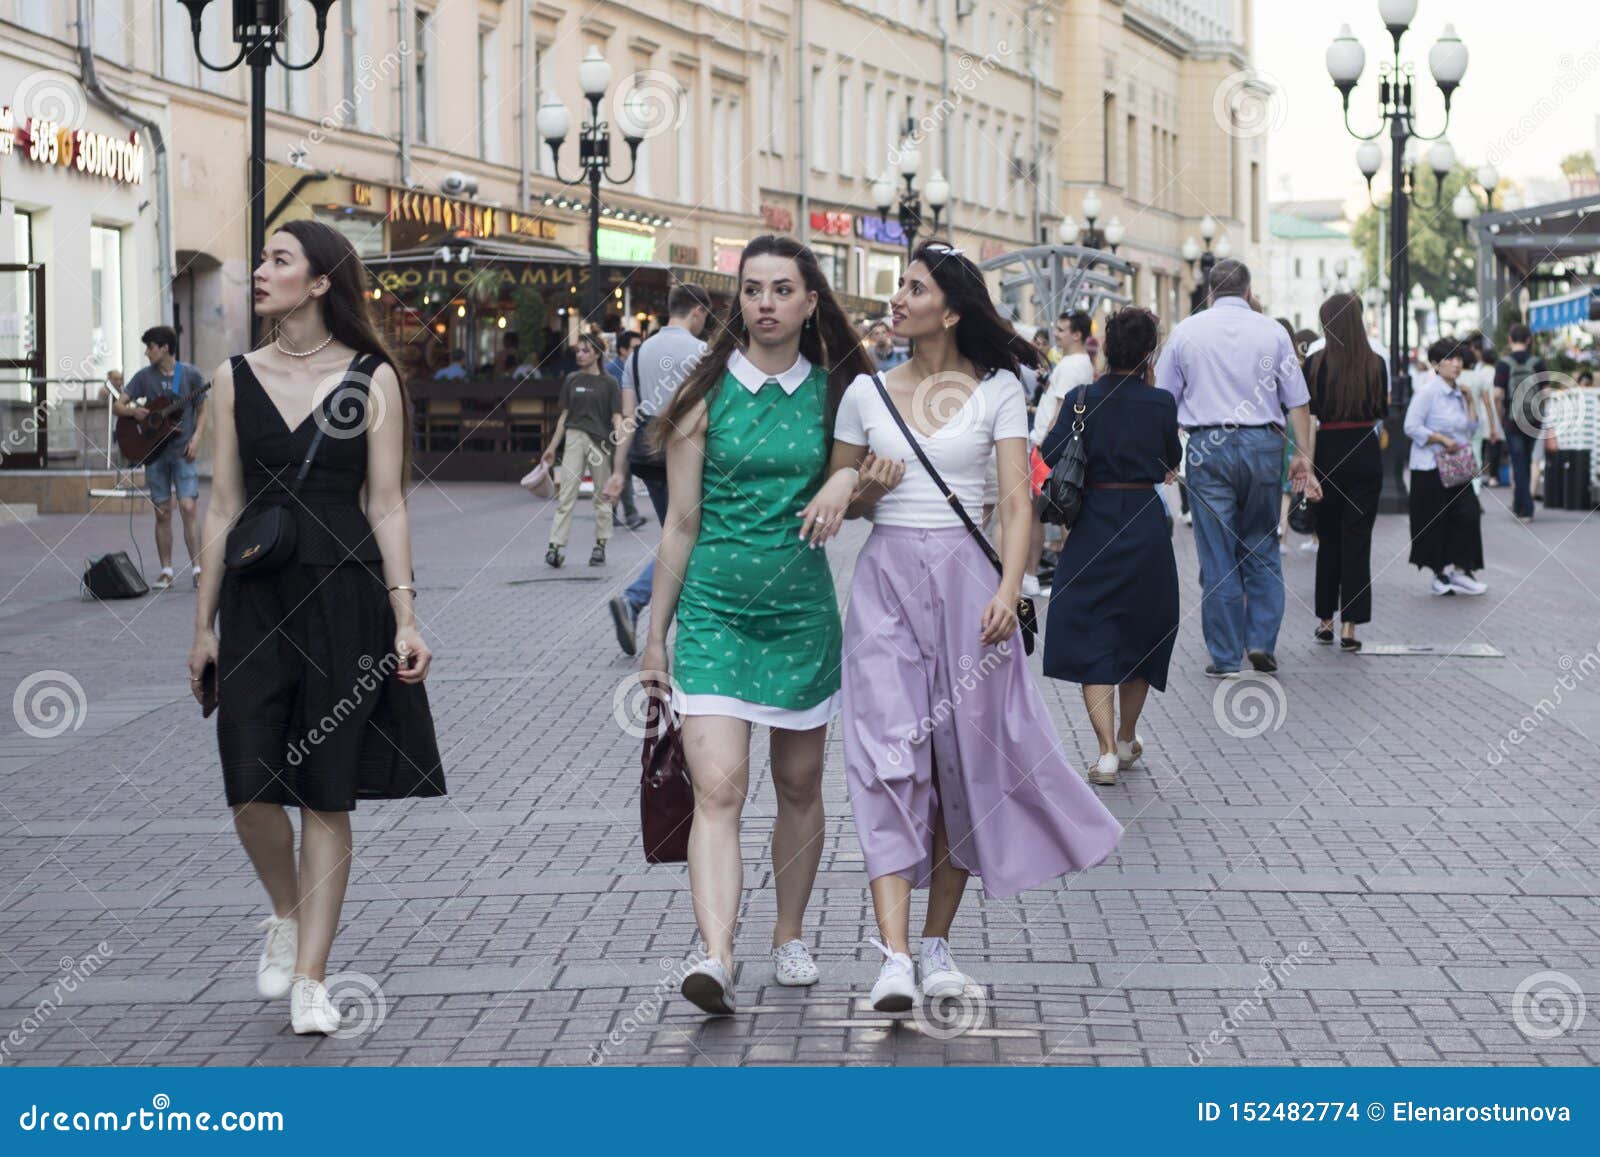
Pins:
x: 955, y: 503
x: 359, y: 360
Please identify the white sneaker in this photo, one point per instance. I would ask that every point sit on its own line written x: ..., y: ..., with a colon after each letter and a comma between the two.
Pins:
x: 310, y: 1010
x: 940, y: 976
x: 896, y: 986
x: 709, y: 988
x: 1128, y: 753
x: 163, y: 580
x: 1104, y: 772
x: 793, y: 966
x: 1442, y: 586
x: 1030, y: 585
x: 195, y: 575
x: 1465, y: 584
x: 275, y: 969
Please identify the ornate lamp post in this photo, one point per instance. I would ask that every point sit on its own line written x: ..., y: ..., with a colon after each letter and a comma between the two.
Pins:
x: 1207, y: 255
x: 1447, y: 61
x: 258, y: 31
x: 909, y: 212
x: 594, y: 150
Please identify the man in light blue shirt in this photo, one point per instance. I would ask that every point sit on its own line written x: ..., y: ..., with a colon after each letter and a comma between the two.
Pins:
x: 1236, y: 375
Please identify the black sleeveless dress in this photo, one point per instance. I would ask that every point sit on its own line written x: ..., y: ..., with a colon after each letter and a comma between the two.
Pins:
x: 309, y: 713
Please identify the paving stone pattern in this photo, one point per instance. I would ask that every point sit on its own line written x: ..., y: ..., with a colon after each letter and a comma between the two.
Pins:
x: 1368, y: 880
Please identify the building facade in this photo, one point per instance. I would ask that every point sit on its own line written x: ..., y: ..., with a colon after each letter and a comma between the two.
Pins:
x: 1312, y: 257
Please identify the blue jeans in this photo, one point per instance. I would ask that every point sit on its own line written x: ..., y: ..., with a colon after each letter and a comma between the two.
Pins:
x: 1520, y: 448
x: 639, y: 593
x: 169, y: 471
x: 1234, y: 491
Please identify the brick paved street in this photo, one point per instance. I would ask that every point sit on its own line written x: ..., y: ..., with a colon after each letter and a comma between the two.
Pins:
x: 1367, y: 883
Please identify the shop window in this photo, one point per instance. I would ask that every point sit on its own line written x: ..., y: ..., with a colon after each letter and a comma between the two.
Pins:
x: 105, y: 299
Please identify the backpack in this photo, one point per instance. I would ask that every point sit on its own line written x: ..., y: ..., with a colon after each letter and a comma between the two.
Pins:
x: 1523, y: 388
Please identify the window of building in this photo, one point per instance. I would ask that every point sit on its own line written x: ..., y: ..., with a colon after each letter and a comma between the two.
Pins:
x: 844, y: 114
x: 111, y: 30
x: 17, y: 292
x: 1297, y: 267
x: 177, y: 46
x: 105, y: 299
x: 1130, y: 158
x: 1255, y: 203
x: 37, y: 16
x: 421, y: 58
x: 819, y: 121
x: 685, y: 163
x: 719, y: 153
x: 1108, y: 138
x: 871, y: 148
x: 734, y: 164
x: 776, y: 113
x: 488, y: 93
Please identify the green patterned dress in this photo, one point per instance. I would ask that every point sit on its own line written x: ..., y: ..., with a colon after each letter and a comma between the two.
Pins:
x: 758, y: 625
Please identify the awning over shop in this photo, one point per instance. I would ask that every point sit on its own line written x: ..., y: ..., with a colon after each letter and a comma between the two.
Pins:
x: 1569, y: 309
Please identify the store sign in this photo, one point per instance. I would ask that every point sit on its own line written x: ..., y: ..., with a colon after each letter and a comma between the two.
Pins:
x: 880, y: 230
x: 361, y: 194
x: 47, y: 142
x: 624, y: 245
x: 684, y: 254
x: 490, y: 277
x: 445, y: 212
x: 538, y: 228
x: 835, y: 224
x: 777, y: 217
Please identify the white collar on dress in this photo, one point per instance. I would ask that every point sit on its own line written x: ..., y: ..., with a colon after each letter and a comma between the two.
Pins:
x: 752, y: 377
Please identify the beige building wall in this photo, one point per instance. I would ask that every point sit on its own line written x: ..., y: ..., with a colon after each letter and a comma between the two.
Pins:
x: 1164, y: 118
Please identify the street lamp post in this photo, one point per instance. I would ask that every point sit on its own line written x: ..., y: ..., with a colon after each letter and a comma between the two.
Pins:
x: 1207, y: 255
x: 594, y: 151
x: 1447, y: 61
x: 909, y: 212
x: 258, y: 31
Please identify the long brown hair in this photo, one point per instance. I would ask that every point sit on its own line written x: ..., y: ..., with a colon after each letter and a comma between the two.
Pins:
x: 345, y: 309
x: 1354, y: 372
x: 983, y: 337
x: 829, y: 340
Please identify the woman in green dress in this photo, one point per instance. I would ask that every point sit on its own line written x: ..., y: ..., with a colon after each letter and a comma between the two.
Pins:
x: 758, y: 638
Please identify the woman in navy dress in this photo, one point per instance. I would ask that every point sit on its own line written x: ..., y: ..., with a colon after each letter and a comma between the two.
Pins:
x: 1114, y: 613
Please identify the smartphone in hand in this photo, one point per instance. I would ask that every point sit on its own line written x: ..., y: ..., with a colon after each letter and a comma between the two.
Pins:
x: 208, y: 690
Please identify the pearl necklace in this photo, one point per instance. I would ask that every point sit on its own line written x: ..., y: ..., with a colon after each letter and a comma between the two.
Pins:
x: 318, y: 348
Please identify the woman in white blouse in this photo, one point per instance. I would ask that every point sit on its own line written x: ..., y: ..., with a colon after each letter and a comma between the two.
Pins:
x: 1446, y: 535
x: 952, y: 759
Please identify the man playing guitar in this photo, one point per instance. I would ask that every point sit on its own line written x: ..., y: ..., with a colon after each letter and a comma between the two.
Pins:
x: 173, y: 467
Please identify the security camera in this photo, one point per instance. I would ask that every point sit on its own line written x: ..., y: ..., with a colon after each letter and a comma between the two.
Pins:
x: 456, y: 183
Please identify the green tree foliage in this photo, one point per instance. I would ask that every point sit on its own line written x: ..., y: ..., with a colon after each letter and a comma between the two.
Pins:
x: 1443, y: 259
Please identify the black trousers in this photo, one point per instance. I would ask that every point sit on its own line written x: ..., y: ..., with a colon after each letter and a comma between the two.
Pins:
x: 1445, y: 524
x: 1350, y: 468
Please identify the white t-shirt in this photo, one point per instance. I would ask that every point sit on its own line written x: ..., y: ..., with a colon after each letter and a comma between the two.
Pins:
x: 960, y: 451
x: 1071, y: 371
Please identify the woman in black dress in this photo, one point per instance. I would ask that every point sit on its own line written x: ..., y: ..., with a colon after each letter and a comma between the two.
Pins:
x: 1114, y: 610
x: 319, y: 663
x: 1349, y: 385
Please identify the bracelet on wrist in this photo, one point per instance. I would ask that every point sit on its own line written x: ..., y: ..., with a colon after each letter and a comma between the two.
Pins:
x: 404, y: 587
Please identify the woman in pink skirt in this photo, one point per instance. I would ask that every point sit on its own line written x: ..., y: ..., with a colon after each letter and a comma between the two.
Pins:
x: 952, y: 760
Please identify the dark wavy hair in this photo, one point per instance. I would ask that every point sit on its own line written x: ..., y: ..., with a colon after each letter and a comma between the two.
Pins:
x: 829, y: 341
x: 1132, y: 334
x: 983, y: 337
x: 345, y: 307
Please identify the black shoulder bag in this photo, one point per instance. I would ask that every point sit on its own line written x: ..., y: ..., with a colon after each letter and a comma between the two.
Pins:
x: 1061, y: 500
x: 266, y: 541
x: 1027, y: 617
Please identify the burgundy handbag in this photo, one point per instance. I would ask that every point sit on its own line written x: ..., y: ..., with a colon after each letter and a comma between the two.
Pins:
x: 666, y: 797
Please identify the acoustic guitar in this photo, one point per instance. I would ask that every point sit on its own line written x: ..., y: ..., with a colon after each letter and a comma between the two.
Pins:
x: 141, y: 439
